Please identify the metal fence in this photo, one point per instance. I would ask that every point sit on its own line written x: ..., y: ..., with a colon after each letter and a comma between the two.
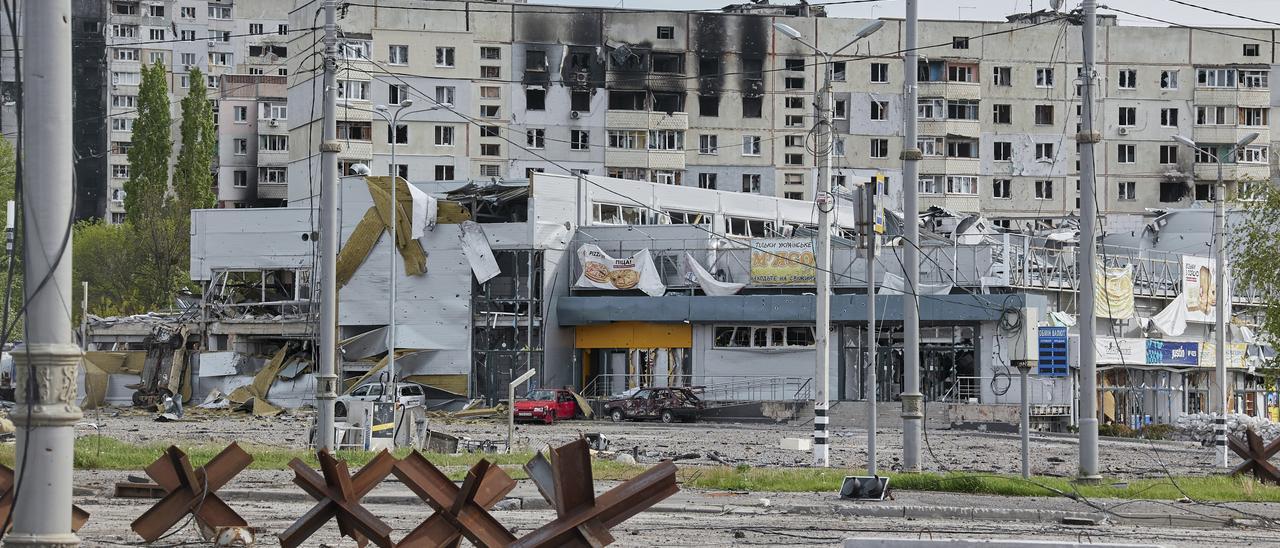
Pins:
x: 1004, y: 260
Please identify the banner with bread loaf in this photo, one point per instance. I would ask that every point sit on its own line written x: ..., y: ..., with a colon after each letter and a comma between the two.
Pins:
x: 1200, y: 285
x: 601, y: 271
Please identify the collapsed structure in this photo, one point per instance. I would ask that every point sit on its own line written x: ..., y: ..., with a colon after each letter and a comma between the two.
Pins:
x: 606, y: 284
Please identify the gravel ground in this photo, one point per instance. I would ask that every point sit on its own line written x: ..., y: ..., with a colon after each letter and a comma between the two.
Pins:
x: 752, y: 444
x: 741, y: 527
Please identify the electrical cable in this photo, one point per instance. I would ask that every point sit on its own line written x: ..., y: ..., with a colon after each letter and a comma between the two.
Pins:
x: 642, y: 205
x: 1220, y: 12
x: 1180, y: 25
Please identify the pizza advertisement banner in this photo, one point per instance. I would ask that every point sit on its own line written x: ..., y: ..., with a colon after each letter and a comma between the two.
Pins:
x: 601, y: 271
x: 780, y: 261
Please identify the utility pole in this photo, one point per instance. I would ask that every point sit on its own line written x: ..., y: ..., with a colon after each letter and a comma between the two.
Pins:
x: 1222, y: 308
x: 327, y: 379
x: 912, y: 399
x: 45, y: 410
x: 822, y: 275
x: 1088, y: 250
x: 870, y: 232
x: 825, y: 202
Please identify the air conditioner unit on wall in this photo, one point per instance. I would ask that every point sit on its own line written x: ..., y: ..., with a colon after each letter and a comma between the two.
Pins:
x: 274, y: 122
x: 1123, y: 131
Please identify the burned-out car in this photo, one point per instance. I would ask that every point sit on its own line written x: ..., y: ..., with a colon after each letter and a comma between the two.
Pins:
x: 665, y: 404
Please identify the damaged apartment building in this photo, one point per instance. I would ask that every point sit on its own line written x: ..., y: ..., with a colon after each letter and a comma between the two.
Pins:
x: 716, y: 105
x: 719, y: 100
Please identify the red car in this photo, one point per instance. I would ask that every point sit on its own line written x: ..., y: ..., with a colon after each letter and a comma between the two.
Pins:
x: 546, y: 405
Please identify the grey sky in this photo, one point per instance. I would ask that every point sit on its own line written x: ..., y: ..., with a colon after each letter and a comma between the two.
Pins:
x: 996, y: 10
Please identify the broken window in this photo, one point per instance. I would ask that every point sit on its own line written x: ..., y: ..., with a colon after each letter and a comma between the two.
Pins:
x: 752, y: 67
x: 355, y: 131
x: 1044, y: 115
x: 795, y: 65
x: 666, y: 33
x: 750, y: 228
x: 580, y: 101
x: 535, y: 61
x: 1171, y: 191
x: 668, y: 102
x: 613, y: 214
x: 535, y: 99
x: 709, y: 105
x: 626, y: 100
x: 668, y: 63
x: 838, y: 71
x: 708, y: 66
x: 752, y: 107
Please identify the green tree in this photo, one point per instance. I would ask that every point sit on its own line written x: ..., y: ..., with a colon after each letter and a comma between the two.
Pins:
x: 192, y: 179
x: 8, y: 180
x: 105, y: 256
x: 151, y: 211
x: 147, y: 190
x: 1257, y: 252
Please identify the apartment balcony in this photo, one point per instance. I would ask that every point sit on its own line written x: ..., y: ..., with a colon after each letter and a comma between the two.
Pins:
x: 951, y: 90
x: 359, y: 111
x: 1244, y: 97
x: 643, y: 119
x: 273, y: 127
x: 356, y: 150
x: 1208, y: 171
x: 652, y: 159
x: 273, y: 191
x: 1227, y: 134
x: 950, y: 166
x: 954, y: 202
x: 273, y: 158
x: 964, y: 128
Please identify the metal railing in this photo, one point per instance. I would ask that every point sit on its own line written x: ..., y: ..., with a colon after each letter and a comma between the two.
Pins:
x: 711, y: 388
x: 1001, y: 260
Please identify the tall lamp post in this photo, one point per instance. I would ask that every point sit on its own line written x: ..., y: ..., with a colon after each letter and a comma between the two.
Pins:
x: 822, y: 274
x: 1218, y: 398
x: 392, y: 121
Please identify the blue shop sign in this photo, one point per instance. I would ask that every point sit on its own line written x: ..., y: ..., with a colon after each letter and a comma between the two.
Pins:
x: 1172, y: 353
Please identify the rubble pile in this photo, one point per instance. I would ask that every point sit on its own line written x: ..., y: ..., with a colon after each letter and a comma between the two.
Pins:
x: 1199, y: 426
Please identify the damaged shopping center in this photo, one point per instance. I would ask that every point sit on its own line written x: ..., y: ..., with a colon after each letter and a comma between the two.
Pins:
x: 605, y: 284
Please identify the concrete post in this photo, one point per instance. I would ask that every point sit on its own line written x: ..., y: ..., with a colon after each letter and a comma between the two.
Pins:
x: 1088, y: 251
x: 912, y: 399
x: 45, y: 410
x: 1024, y: 371
x: 327, y: 377
x: 1218, y: 398
x: 825, y: 201
x: 873, y: 393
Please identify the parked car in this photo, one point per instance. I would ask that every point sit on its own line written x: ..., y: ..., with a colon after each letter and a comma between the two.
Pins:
x: 665, y: 404
x: 546, y: 405
x: 411, y: 395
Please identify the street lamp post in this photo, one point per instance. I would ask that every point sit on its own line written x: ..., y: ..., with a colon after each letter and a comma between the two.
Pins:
x: 1218, y: 398
x: 393, y: 170
x: 822, y: 274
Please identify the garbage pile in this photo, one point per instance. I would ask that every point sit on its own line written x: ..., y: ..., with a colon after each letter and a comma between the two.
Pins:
x: 1199, y: 426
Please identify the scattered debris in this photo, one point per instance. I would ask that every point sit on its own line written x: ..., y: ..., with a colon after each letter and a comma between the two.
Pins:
x: 796, y: 444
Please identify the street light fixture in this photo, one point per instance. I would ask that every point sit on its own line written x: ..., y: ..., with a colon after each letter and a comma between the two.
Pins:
x: 1218, y: 399
x: 825, y: 202
x: 392, y: 120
